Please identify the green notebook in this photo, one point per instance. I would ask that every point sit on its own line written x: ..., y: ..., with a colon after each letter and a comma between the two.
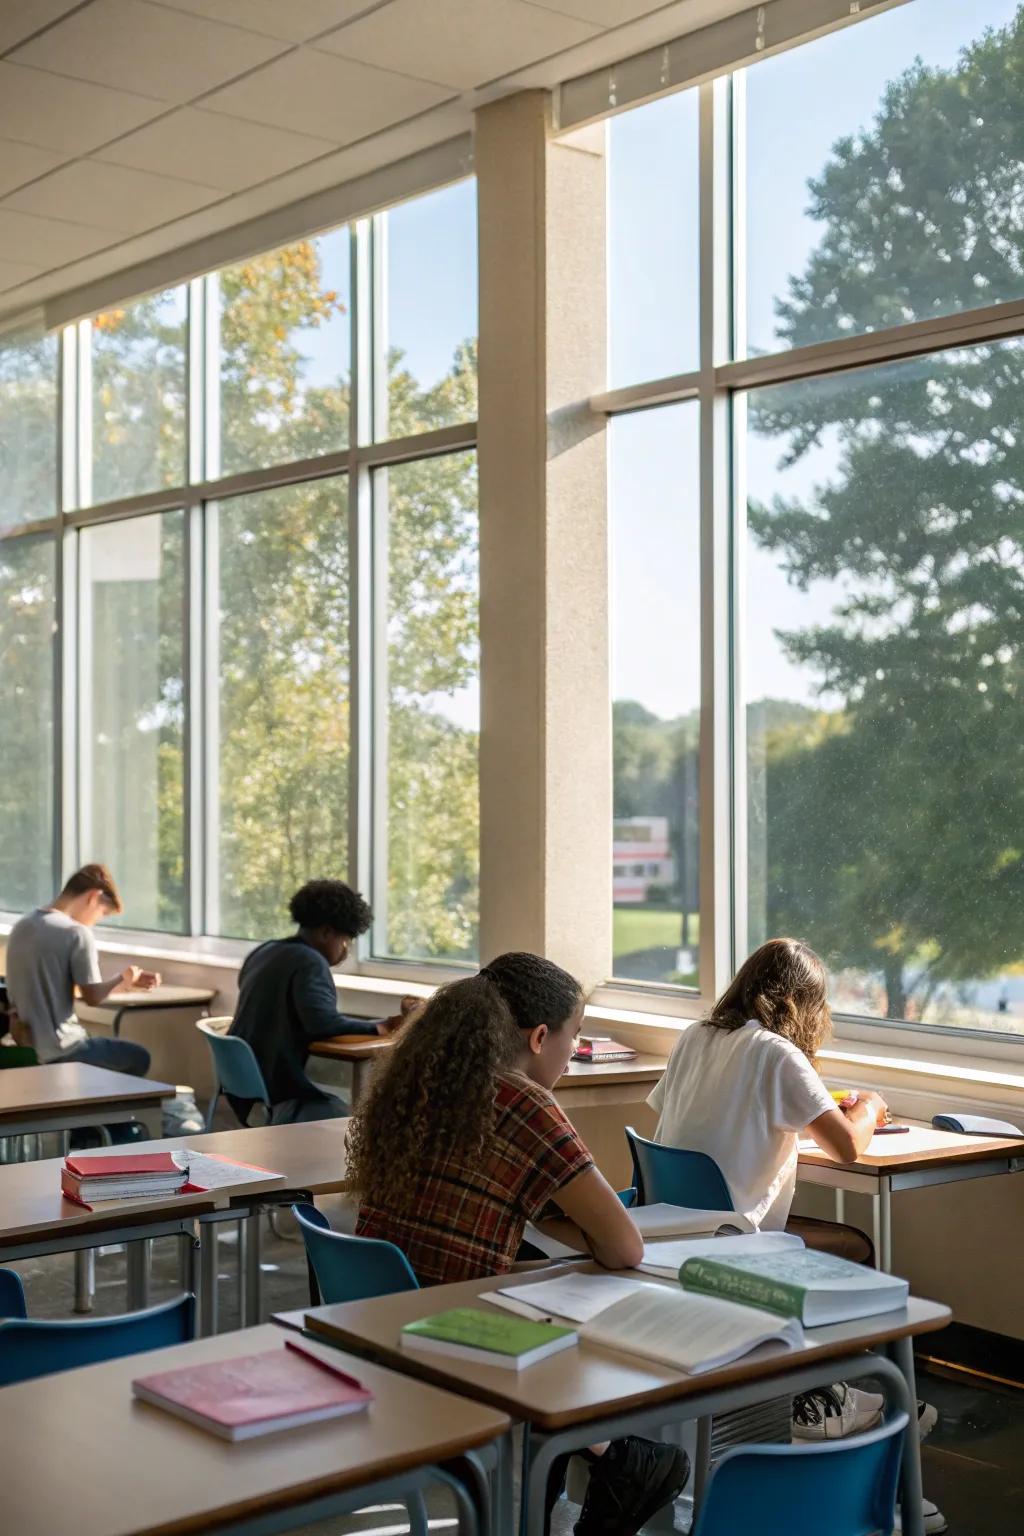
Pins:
x: 815, y: 1287
x: 488, y: 1338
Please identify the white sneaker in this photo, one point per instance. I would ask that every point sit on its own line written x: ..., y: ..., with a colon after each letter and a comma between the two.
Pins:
x: 832, y: 1413
x: 927, y: 1418
x: 934, y: 1519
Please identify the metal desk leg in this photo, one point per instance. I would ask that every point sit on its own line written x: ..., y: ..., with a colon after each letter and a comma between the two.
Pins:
x: 137, y: 1274
x: 207, y: 1278
x: 116, y: 1025
x: 884, y: 1254
x: 251, y: 1244
x: 702, y: 1470
x: 876, y: 1225
x: 85, y: 1279
x: 911, y: 1492
x: 841, y: 1206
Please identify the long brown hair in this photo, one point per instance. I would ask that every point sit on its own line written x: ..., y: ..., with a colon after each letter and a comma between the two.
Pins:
x: 784, y: 987
x: 434, y: 1097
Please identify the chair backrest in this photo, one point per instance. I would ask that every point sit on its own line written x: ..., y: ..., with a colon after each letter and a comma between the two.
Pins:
x: 628, y: 1197
x: 351, y: 1268
x: 234, y: 1063
x: 12, y: 1295
x: 39, y: 1346
x: 792, y: 1486
x: 676, y: 1176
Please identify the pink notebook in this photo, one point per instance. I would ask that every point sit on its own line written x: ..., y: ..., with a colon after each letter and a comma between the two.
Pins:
x: 256, y: 1394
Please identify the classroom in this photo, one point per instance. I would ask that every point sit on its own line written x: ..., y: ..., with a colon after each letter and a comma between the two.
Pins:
x: 511, y: 686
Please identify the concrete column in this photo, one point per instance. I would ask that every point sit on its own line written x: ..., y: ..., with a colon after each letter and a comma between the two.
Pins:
x: 546, y: 798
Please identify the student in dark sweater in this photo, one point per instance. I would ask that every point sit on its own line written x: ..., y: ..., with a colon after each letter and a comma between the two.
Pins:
x: 287, y: 1000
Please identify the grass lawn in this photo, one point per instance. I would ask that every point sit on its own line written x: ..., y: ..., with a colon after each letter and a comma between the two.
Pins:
x: 648, y: 928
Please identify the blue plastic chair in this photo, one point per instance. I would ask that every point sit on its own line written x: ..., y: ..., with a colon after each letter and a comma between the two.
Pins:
x: 351, y: 1268
x: 628, y: 1198
x: 12, y: 1295
x: 37, y: 1347
x: 785, y: 1490
x: 675, y: 1176
x: 235, y: 1067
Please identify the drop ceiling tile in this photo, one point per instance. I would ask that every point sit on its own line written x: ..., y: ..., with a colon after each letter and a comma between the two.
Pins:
x: 67, y: 115
x: 159, y: 53
x: 221, y: 151
x: 112, y: 196
x: 603, y: 13
x: 20, y: 18
x: 46, y: 243
x: 291, y: 20
x: 24, y: 162
x: 14, y: 272
x: 325, y: 96
x: 459, y: 43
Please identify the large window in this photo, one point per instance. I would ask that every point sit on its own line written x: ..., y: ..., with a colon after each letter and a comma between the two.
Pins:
x: 242, y: 686
x: 131, y: 608
x: 861, y: 503
x: 425, y: 522
x: 279, y: 665
x: 27, y: 615
x: 134, y: 396
x: 28, y: 428
x: 655, y: 625
x: 282, y: 349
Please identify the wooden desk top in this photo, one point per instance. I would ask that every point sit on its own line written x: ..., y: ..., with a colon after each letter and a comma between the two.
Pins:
x: 126, y: 1468
x: 920, y: 1147
x: 158, y: 997
x: 645, y: 1069
x: 351, y: 1047
x: 311, y: 1156
x: 73, y: 1085
x: 584, y: 1383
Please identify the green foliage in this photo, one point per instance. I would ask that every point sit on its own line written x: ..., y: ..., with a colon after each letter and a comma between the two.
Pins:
x: 27, y: 570
x: 894, y: 825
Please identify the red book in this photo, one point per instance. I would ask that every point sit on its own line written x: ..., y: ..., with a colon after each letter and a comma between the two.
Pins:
x: 119, y: 1166
x: 256, y: 1394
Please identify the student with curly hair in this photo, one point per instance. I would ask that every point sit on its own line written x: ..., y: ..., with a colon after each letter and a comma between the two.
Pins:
x: 460, y: 1142
x: 287, y: 1000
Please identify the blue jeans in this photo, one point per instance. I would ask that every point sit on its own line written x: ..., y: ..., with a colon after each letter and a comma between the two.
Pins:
x: 115, y: 1055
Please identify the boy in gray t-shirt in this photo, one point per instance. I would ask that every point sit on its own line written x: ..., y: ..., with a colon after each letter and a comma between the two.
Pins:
x: 51, y: 952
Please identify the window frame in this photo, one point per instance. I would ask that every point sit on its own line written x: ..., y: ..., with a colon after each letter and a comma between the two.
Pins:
x: 197, y: 499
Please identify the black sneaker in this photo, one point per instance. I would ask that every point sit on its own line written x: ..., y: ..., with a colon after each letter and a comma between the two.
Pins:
x: 628, y: 1484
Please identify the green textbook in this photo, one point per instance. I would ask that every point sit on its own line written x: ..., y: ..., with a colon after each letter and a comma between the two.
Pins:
x: 486, y: 1337
x: 816, y: 1288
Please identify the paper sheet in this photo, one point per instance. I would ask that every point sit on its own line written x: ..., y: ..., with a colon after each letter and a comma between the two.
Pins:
x: 664, y: 1257
x: 575, y: 1297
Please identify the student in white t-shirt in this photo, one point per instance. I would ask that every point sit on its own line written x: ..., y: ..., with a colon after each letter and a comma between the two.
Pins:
x: 742, y: 1087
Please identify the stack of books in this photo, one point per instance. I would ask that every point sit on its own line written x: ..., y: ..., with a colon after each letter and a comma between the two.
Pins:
x: 601, y: 1048
x: 147, y: 1175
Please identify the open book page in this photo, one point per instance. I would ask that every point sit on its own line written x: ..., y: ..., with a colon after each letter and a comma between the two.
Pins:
x: 664, y: 1256
x: 680, y: 1221
x: 206, y: 1170
x: 692, y: 1333
x: 573, y: 1297
x: 552, y: 1247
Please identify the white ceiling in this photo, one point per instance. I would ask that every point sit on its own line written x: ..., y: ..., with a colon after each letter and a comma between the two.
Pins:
x: 131, y: 127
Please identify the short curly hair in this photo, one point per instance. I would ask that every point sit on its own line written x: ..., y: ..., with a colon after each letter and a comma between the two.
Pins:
x: 331, y: 904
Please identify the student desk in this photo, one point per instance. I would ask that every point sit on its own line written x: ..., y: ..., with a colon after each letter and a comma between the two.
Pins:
x: 35, y: 1219
x: 164, y: 998
x: 62, y: 1095
x: 113, y: 1466
x: 920, y: 1157
x: 586, y: 1394
x: 583, y: 1084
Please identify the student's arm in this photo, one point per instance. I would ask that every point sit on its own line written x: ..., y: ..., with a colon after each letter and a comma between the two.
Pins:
x: 85, y: 972
x: 844, y: 1133
x: 131, y: 979
x: 610, y: 1231
x: 316, y: 1003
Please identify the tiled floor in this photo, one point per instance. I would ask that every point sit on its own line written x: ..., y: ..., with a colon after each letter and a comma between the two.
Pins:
x: 973, y: 1461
